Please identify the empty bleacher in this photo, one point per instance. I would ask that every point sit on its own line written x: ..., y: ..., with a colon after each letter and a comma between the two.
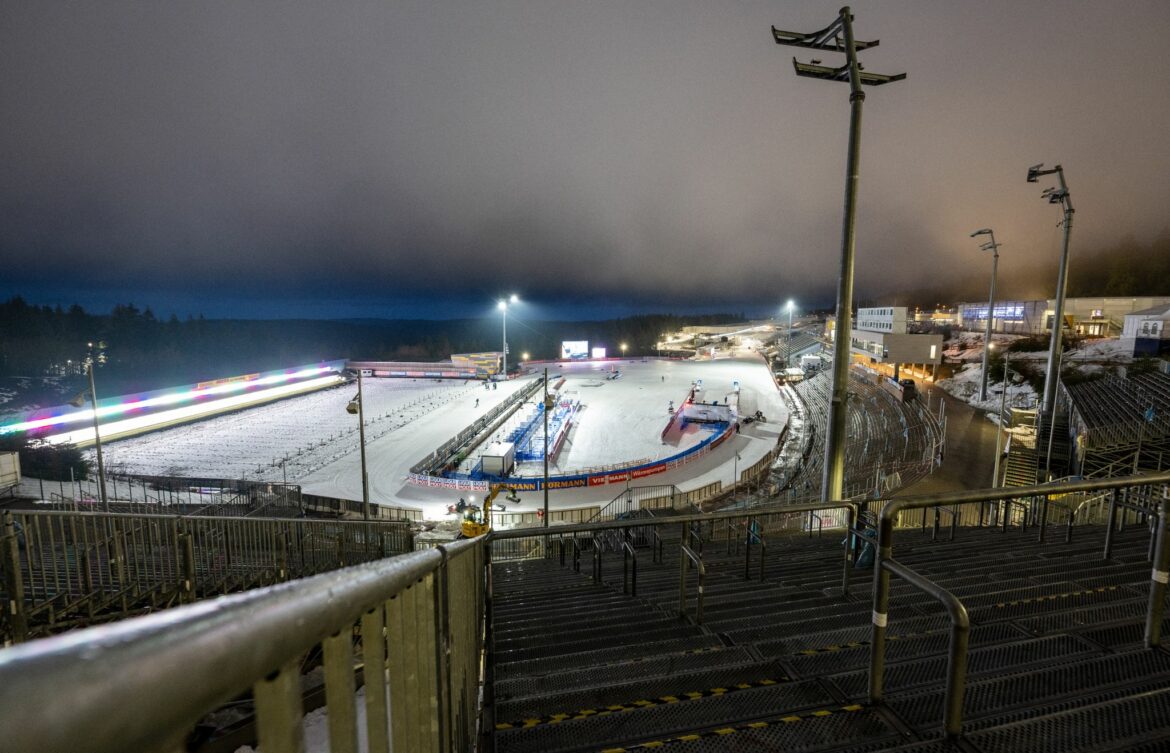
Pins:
x: 780, y: 659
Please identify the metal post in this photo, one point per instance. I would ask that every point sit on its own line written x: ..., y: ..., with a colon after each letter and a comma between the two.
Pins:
x: 1109, y: 523
x: 13, y: 583
x: 990, y: 309
x: 1159, y: 577
x: 881, y: 609
x: 995, y: 484
x: 97, y: 439
x: 547, y: 407
x: 851, y: 522
x: 788, y: 348
x: 1052, y: 377
x: 362, y: 441
x: 830, y: 39
x: 834, y: 474
x: 504, y: 350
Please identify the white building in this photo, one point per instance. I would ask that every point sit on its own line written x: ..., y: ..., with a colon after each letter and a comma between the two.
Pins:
x: 1148, y: 330
x: 1091, y: 317
x: 880, y: 337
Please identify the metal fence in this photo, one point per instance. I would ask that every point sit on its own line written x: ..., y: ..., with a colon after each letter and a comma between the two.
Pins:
x: 60, y: 570
x: 417, y: 622
x: 413, y: 623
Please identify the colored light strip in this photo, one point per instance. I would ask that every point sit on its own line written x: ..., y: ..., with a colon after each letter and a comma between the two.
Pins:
x: 143, y: 423
x: 160, y: 400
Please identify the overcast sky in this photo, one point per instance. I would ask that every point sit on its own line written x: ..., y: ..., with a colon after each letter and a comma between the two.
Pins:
x: 421, y: 158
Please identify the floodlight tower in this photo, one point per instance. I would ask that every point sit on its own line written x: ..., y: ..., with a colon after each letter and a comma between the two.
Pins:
x: 91, y: 361
x: 788, y: 346
x: 1052, y: 377
x: 993, y: 247
x: 355, y: 407
x: 502, y: 305
x: 838, y: 37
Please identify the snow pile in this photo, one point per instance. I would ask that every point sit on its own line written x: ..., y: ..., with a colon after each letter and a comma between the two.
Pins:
x: 965, y: 386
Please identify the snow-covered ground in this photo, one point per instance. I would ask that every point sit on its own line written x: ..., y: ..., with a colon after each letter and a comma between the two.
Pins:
x: 1090, y: 356
x: 311, y: 440
x: 965, y: 386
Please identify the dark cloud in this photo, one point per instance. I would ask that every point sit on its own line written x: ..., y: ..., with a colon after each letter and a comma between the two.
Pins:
x: 646, y: 152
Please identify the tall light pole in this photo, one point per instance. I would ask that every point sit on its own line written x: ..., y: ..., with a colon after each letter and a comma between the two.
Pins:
x: 838, y: 37
x: 91, y: 360
x: 355, y: 406
x: 548, y: 404
x: 788, y: 349
x: 97, y: 435
x: 1052, y: 378
x: 999, y: 432
x: 502, y: 305
x: 993, y: 247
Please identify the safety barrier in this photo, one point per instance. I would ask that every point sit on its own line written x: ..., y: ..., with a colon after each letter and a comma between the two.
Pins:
x: 885, y: 564
x: 59, y: 570
x: 416, y: 621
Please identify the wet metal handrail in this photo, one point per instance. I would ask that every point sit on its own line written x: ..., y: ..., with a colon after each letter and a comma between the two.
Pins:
x: 420, y: 616
x: 710, y: 517
x: 894, y: 507
x: 689, y: 556
x: 957, y: 655
x: 629, y: 569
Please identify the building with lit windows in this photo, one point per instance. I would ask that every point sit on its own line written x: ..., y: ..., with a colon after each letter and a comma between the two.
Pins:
x: 1090, y: 317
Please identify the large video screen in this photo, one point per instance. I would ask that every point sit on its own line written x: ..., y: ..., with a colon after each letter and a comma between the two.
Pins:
x: 598, y: 352
x: 575, y: 349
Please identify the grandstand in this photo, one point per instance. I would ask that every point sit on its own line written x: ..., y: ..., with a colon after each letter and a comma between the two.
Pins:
x: 1119, y: 425
x: 891, y: 444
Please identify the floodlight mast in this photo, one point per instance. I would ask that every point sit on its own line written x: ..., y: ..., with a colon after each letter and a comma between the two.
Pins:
x: 1052, y: 377
x: 993, y: 247
x: 838, y: 37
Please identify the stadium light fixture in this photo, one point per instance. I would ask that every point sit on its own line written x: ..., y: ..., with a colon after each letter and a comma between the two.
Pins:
x: 993, y: 247
x: 1056, y: 195
x: 355, y: 407
x: 838, y: 37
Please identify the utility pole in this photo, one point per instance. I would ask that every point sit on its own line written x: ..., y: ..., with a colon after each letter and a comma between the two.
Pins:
x: 355, y: 406
x: 993, y: 247
x: 1052, y: 378
x: 92, y: 359
x: 838, y: 37
x: 548, y: 403
x: 97, y: 438
x: 995, y: 484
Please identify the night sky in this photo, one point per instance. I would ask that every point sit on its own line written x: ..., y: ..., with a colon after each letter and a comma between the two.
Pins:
x: 419, y: 159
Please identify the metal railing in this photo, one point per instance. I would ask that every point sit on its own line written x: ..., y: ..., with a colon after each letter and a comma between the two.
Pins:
x: 957, y: 662
x: 691, y: 558
x: 60, y: 570
x: 415, y: 621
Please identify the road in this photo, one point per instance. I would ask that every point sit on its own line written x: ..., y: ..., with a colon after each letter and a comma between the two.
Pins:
x: 970, y: 450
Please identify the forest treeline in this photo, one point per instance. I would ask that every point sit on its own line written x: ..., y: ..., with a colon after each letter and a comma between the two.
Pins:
x: 1127, y: 267
x: 146, y: 352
